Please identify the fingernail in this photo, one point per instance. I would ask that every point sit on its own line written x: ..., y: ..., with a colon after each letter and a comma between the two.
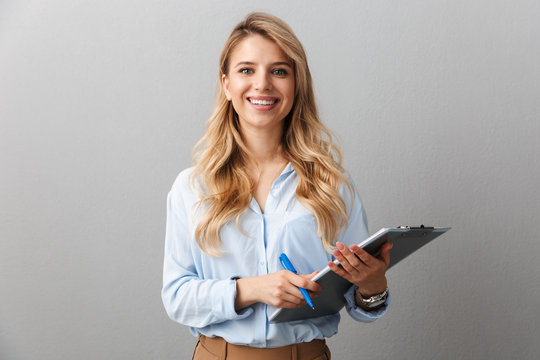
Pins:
x: 340, y: 246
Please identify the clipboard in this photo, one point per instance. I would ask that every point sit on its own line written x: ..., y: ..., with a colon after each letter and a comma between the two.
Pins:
x: 406, y: 240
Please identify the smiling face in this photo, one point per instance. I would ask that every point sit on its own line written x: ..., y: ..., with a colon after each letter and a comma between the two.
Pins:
x: 260, y: 83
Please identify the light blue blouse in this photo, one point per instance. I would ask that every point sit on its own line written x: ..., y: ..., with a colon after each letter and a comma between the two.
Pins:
x: 198, y: 290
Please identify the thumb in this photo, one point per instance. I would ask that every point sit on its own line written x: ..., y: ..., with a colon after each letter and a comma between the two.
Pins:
x: 385, y: 253
x: 310, y: 276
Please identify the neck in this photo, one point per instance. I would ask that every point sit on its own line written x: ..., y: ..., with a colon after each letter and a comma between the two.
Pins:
x: 265, y: 146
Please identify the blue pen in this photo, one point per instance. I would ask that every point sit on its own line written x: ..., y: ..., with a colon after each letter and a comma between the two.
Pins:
x: 286, y: 263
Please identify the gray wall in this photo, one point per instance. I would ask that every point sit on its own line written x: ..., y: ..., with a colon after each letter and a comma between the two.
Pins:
x: 436, y: 104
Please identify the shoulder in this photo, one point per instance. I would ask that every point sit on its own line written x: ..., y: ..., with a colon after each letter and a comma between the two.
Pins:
x: 182, y: 198
x: 183, y: 178
x: 183, y: 185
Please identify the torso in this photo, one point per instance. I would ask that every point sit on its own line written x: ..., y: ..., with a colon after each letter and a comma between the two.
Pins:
x: 252, y: 247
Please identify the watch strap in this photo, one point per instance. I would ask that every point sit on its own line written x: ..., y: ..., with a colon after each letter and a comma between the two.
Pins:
x: 372, y: 301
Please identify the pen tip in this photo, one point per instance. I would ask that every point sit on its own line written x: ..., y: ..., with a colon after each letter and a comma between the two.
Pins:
x: 313, y: 307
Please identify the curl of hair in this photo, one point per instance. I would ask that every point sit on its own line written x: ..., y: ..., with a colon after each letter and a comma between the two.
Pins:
x: 220, y: 173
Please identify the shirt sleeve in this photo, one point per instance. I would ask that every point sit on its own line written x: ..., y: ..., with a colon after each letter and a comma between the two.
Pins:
x: 188, y: 297
x: 356, y: 232
x: 359, y: 314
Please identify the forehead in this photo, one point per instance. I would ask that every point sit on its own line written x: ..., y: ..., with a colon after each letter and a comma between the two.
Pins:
x: 258, y: 49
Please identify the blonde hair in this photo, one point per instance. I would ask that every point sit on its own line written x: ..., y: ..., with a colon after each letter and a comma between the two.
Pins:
x: 220, y: 156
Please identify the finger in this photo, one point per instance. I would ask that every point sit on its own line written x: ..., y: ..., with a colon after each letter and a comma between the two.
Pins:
x: 363, y: 255
x: 344, y: 274
x: 285, y: 296
x: 293, y: 294
x: 385, y: 253
x: 345, y: 266
x: 288, y: 287
x: 349, y: 255
x: 299, y: 297
x: 313, y: 294
x: 304, y: 282
x: 295, y: 303
x: 310, y: 276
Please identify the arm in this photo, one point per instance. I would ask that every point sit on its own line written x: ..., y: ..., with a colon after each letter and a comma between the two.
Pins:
x: 195, y: 300
x: 365, y: 272
x: 187, y: 297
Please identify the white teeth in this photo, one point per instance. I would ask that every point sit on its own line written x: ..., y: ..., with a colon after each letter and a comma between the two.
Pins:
x: 262, y: 102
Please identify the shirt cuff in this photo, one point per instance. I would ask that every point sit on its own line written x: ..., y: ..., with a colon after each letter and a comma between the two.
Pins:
x: 360, y: 314
x: 223, y: 301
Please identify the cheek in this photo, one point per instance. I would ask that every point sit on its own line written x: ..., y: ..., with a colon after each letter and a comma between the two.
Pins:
x: 237, y: 98
x: 290, y: 96
x: 289, y: 90
x: 238, y: 90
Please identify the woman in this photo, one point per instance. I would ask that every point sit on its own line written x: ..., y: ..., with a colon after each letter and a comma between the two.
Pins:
x: 267, y: 179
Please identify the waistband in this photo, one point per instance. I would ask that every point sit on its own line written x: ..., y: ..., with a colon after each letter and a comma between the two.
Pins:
x: 225, y: 350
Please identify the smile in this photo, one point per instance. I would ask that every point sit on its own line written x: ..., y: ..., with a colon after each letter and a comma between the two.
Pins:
x: 262, y: 102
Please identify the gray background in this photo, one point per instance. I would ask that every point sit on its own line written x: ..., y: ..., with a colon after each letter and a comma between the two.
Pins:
x: 436, y: 104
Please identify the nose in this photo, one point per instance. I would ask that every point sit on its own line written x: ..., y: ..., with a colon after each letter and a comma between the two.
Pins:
x: 262, y: 81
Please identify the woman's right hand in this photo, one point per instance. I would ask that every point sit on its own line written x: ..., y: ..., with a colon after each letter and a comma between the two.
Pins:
x: 279, y: 289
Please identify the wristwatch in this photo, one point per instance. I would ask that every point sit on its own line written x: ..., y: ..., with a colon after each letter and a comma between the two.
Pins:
x: 373, y: 301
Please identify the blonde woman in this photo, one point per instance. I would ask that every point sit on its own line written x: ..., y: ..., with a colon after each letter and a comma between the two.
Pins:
x: 267, y: 179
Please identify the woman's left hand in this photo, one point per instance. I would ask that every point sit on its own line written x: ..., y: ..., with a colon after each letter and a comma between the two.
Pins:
x: 363, y: 270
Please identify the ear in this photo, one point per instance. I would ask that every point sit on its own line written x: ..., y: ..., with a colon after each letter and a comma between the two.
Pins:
x: 225, y: 85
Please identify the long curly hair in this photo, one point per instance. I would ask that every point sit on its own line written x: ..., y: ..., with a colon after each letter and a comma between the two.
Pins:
x: 220, y: 156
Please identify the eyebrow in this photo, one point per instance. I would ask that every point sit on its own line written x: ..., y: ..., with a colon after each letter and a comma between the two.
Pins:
x: 279, y: 63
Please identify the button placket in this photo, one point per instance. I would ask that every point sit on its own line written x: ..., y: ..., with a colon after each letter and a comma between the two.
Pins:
x: 262, y: 248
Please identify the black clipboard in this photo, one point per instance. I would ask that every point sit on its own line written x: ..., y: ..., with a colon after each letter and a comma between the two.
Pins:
x: 406, y: 240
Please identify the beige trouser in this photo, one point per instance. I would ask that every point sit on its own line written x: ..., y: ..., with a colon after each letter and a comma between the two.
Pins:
x: 218, y: 349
